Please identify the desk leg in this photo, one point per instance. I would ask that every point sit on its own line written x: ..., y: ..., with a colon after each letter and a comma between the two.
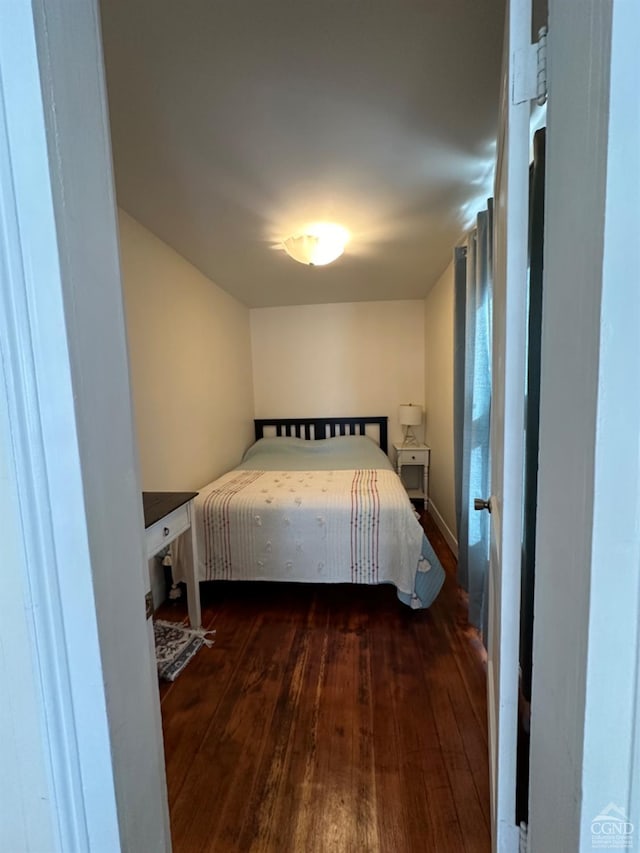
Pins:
x: 191, y: 573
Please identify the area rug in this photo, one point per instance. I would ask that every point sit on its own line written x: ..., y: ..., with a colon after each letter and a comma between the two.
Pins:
x: 176, y: 645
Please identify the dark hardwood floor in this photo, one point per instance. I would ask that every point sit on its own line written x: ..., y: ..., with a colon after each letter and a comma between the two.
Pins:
x: 329, y: 718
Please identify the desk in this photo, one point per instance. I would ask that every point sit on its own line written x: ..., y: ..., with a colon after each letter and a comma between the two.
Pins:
x: 166, y: 516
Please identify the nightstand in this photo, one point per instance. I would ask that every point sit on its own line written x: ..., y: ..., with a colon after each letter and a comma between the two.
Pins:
x: 166, y: 516
x: 412, y: 466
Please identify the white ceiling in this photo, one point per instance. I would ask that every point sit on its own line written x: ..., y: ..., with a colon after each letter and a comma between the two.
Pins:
x: 237, y: 121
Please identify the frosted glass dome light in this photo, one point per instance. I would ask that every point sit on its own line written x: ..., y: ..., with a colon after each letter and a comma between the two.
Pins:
x: 317, y: 244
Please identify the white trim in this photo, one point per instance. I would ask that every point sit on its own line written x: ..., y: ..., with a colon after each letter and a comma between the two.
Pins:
x: 492, y: 725
x: 93, y: 775
x: 46, y: 465
x: 507, y: 431
x: 613, y: 655
x: 585, y: 725
x: 443, y: 527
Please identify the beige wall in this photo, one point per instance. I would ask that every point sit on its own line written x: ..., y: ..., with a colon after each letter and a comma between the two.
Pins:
x: 357, y: 358
x: 438, y: 331
x: 190, y: 363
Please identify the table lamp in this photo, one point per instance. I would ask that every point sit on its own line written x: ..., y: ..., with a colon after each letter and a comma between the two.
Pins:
x: 409, y: 416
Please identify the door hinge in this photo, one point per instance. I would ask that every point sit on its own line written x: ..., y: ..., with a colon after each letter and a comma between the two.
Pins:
x: 530, y: 72
x: 148, y: 605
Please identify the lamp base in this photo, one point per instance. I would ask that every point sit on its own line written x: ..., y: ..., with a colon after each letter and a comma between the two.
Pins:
x: 409, y: 438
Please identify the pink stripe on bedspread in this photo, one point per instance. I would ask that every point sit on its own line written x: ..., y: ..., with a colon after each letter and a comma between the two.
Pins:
x: 217, y: 523
x: 353, y: 526
x: 365, y: 523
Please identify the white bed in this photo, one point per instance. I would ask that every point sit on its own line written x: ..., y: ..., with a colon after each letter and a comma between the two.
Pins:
x: 314, y: 510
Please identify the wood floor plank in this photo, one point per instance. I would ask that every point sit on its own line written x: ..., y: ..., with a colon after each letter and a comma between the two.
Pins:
x: 456, y: 727
x: 268, y: 824
x: 329, y: 718
x: 337, y: 810
x: 188, y: 712
x: 212, y: 802
x: 285, y: 796
x: 418, y: 767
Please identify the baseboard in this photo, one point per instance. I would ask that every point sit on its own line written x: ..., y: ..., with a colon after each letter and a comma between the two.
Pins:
x: 444, y: 528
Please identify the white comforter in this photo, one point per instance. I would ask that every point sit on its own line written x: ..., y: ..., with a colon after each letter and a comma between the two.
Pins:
x: 354, y: 526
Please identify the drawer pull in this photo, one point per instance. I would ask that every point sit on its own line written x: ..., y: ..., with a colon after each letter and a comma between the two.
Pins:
x: 166, y: 531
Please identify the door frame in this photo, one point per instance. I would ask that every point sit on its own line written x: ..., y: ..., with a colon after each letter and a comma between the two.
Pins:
x: 83, y: 733
x: 585, y: 711
x: 510, y: 223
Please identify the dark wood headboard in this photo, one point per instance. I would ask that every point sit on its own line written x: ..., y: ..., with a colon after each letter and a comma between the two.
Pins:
x: 318, y: 428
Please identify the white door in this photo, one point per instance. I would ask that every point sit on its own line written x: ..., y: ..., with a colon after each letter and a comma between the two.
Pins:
x: 507, y: 425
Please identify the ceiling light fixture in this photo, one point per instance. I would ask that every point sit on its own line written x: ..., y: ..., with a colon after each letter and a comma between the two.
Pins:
x: 317, y: 244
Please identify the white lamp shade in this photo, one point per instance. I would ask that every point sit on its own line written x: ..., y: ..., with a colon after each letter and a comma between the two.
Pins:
x: 410, y: 415
x: 302, y: 248
x: 319, y: 244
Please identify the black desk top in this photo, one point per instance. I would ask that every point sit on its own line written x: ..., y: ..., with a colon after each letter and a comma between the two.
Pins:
x: 158, y: 504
